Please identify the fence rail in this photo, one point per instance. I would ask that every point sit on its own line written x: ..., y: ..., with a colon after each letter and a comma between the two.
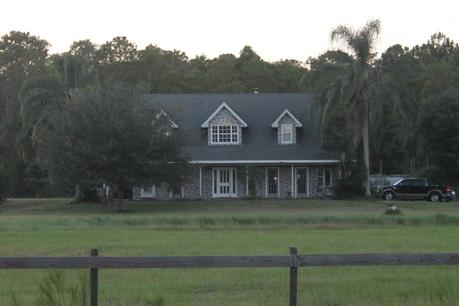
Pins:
x: 293, y: 261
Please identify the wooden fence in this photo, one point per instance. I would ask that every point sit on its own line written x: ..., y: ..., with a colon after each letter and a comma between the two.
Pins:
x: 94, y: 262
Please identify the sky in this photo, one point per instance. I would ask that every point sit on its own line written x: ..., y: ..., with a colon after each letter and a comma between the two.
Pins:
x: 288, y: 29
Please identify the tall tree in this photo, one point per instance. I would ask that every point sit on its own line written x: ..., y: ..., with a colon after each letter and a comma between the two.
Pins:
x: 254, y: 72
x: 351, y: 88
x: 21, y: 56
x: 109, y: 136
x: 223, y: 76
x: 163, y: 70
x: 336, y: 133
x: 119, y: 49
x: 77, y: 67
x: 41, y: 97
x: 439, y: 130
x: 288, y: 75
x: 396, y: 100
x: 84, y: 48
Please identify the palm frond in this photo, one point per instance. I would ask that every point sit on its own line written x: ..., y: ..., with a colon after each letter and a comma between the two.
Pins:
x: 372, y: 29
x: 344, y: 33
x: 361, y: 42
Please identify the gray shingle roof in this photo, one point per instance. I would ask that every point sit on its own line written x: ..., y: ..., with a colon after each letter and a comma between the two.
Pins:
x: 259, y: 140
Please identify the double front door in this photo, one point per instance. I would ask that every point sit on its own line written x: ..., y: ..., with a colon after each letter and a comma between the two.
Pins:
x: 224, y: 182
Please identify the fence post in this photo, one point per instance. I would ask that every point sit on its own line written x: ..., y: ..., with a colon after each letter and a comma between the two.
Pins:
x: 94, y: 281
x: 293, y: 277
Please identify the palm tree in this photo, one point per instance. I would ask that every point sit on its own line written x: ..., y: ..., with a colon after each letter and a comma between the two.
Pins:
x: 350, y: 90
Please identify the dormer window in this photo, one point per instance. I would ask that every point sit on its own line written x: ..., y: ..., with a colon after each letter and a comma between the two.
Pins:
x: 286, y: 133
x: 225, y: 134
x: 224, y: 127
x: 286, y: 125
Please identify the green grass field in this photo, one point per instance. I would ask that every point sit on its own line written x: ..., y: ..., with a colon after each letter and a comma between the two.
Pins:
x: 55, y: 227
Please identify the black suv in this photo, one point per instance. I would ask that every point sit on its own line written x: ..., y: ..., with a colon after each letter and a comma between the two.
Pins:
x: 415, y: 188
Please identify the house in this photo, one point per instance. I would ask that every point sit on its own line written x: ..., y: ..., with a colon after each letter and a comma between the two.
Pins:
x: 242, y: 145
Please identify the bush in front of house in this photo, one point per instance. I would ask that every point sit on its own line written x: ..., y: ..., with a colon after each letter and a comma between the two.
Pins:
x: 348, y: 187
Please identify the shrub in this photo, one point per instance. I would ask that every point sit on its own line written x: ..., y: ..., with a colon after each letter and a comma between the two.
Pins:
x: 348, y: 187
x: 87, y: 192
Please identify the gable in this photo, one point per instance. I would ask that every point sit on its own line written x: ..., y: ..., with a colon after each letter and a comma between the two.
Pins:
x: 163, y: 115
x: 284, y: 117
x: 221, y: 109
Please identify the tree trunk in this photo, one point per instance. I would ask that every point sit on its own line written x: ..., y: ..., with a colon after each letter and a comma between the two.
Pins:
x: 78, y: 194
x: 366, y: 150
x: 119, y: 198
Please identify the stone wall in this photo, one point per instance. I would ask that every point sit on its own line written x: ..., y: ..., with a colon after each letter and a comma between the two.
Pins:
x: 285, y: 182
x: 190, y: 188
x: 206, y: 182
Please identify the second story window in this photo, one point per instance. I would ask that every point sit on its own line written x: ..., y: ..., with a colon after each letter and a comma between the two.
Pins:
x: 228, y: 134
x: 286, y: 133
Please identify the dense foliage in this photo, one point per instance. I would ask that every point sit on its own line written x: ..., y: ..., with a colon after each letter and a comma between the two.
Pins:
x: 348, y: 93
x: 36, y: 85
x: 404, y: 82
x: 440, y: 127
x: 106, y: 137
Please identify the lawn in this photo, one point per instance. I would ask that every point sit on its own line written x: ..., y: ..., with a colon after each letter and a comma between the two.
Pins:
x: 55, y: 227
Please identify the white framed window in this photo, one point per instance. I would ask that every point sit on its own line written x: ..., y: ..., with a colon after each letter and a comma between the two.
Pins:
x: 286, y: 133
x: 324, y: 177
x: 224, y: 134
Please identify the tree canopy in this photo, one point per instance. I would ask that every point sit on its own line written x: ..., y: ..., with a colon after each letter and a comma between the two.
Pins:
x: 348, y: 92
x: 440, y: 125
x: 108, y: 136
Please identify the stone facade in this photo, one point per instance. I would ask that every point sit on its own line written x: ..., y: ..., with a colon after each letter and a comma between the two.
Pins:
x: 198, y: 184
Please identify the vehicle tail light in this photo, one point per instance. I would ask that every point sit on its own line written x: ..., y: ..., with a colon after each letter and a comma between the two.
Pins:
x: 448, y: 189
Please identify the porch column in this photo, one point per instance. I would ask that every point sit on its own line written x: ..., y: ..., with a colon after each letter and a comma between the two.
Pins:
x: 293, y: 182
x: 200, y: 181
x: 247, y: 181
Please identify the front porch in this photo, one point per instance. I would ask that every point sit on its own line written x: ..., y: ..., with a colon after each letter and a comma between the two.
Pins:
x: 250, y: 181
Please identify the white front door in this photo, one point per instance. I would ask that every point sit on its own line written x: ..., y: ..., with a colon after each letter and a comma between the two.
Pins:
x: 224, y: 183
